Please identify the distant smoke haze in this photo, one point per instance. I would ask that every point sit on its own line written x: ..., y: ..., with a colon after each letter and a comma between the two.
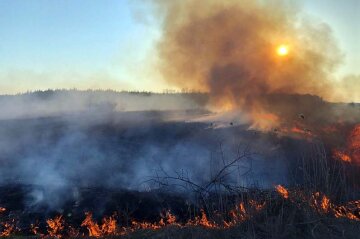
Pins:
x: 60, y: 102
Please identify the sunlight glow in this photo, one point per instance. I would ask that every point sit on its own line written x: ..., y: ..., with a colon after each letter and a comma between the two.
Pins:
x: 282, y: 50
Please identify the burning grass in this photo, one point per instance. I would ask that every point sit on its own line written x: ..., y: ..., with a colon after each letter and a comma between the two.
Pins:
x: 323, y: 202
x: 281, y: 212
x: 351, y: 152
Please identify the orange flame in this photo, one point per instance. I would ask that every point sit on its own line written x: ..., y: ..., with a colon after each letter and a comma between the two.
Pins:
x: 238, y: 214
x: 349, y: 211
x: 55, y: 226
x: 321, y: 203
x: 351, y: 153
x: 93, y: 227
x: 168, y: 218
x: 242, y: 212
x: 202, y: 221
x: 108, y: 226
x: 282, y: 191
x: 264, y: 121
x: 354, y: 144
x: 341, y: 155
x: 298, y: 130
x: 9, y: 228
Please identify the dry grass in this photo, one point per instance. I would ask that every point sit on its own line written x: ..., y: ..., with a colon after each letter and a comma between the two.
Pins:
x: 294, y: 216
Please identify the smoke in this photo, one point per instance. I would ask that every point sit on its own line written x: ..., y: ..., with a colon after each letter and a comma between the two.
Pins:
x: 58, y: 148
x: 60, y: 102
x: 65, y: 139
x: 228, y: 48
x: 349, y: 88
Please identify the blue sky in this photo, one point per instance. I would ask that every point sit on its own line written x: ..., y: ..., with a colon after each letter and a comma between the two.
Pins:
x: 40, y: 34
x: 343, y: 16
x: 109, y: 43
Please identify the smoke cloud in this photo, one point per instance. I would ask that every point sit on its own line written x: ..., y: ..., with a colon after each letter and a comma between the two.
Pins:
x: 228, y: 48
x: 58, y: 142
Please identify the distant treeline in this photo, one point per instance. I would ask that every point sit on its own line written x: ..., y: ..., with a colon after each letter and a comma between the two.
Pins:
x: 62, y: 101
x: 111, y: 91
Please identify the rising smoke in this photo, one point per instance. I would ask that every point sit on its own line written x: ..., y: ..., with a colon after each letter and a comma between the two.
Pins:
x: 228, y: 48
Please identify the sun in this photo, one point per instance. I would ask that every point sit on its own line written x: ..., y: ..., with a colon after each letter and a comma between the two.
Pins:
x: 282, y: 50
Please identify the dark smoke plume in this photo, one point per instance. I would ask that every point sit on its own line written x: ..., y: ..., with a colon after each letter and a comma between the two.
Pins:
x: 228, y: 48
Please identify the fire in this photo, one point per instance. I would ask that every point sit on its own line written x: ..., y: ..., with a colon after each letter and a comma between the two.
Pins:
x: 349, y: 211
x: 147, y: 225
x: 325, y: 203
x: 8, y: 229
x: 264, y: 121
x: 321, y: 203
x: 108, y: 226
x: 282, y: 191
x: 354, y: 144
x: 202, y: 221
x: 298, y: 130
x: 93, y: 227
x: 55, y: 226
x: 168, y: 218
x: 171, y: 219
x: 240, y: 214
x: 351, y: 153
x: 342, y: 156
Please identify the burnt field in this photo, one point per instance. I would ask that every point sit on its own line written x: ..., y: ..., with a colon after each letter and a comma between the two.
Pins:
x: 184, y: 173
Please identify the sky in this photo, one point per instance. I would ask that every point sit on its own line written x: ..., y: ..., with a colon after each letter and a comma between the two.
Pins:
x: 110, y: 44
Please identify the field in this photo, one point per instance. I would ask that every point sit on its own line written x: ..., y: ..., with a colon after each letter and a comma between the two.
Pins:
x: 180, y: 173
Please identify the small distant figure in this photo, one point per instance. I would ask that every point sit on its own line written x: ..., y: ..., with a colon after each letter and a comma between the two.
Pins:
x: 231, y: 123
